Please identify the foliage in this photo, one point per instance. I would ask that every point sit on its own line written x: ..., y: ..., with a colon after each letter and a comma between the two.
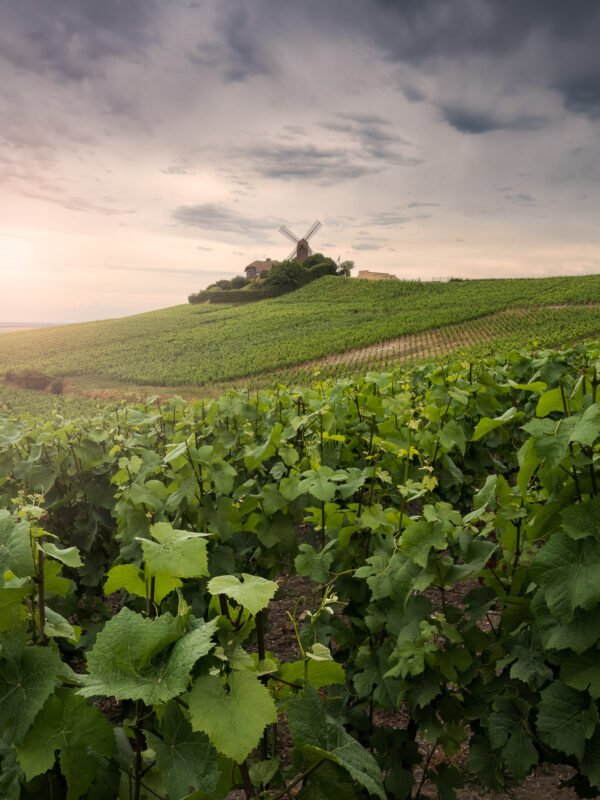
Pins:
x: 206, y: 344
x: 454, y: 517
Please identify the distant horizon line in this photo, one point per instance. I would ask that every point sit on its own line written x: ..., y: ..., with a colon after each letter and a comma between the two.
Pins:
x: 425, y: 279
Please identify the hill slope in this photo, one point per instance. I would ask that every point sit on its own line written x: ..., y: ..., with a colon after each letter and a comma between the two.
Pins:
x: 197, y: 345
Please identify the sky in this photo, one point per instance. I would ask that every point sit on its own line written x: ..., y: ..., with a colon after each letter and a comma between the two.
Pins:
x: 150, y: 147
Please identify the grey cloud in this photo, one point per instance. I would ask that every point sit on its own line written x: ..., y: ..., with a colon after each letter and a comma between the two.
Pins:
x: 365, y: 147
x: 388, y: 219
x: 520, y: 198
x: 240, y: 51
x: 429, y: 34
x: 322, y: 165
x: 470, y: 120
x: 78, y: 204
x: 373, y: 135
x: 72, y: 37
x: 366, y: 246
x: 214, y: 217
x: 582, y: 93
x: 176, y: 169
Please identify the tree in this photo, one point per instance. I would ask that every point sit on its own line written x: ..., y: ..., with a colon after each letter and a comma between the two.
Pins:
x: 286, y: 275
x: 238, y: 282
x: 345, y: 268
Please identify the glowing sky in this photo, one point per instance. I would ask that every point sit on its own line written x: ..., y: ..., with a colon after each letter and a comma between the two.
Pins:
x: 148, y: 147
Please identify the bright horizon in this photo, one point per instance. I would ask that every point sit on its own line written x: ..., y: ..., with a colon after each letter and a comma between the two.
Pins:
x: 148, y: 149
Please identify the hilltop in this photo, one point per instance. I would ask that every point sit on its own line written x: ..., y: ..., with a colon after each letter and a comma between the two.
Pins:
x: 203, y: 344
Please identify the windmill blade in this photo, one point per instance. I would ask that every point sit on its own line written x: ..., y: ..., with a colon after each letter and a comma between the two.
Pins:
x: 287, y: 232
x: 293, y: 254
x: 314, y: 229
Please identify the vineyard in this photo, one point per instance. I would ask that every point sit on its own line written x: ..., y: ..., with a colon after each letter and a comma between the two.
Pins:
x: 203, y: 345
x: 438, y: 526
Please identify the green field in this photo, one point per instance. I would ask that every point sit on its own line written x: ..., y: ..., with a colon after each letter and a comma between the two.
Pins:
x: 202, y: 345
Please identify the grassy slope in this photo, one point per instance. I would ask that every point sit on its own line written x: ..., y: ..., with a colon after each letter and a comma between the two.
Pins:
x: 203, y: 344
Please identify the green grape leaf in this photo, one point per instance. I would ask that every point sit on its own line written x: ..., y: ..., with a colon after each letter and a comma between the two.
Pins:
x: 187, y: 760
x: 566, y: 719
x: 54, y: 582
x: 135, y: 658
x: 587, y: 427
x: 313, y: 564
x: 319, y: 737
x: 582, y: 672
x: 125, y: 576
x: 28, y: 676
x: 69, y: 556
x: 181, y: 554
x: 578, y: 635
x: 57, y: 627
x: 569, y: 573
x: 254, y: 456
x: 453, y: 435
x: 10, y: 773
x: 329, y: 781
x: 320, y: 673
x: 507, y: 729
x: 419, y: 538
x: 12, y: 609
x: 530, y: 665
x: 130, y: 578
x: 582, y: 520
x: 254, y: 593
x: 519, y: 753
x: 536, y: 386
x: 15, y: 547
x: 234, y: 720
x: 486, y: 425
x: 550, y: 401
x: 590, y: 766
x: 78, y: 731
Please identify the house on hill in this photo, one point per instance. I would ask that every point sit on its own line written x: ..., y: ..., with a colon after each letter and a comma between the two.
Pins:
x: 367, y: 275
x: 258, y: 268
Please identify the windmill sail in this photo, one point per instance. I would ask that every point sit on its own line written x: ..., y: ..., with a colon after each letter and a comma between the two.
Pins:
x: 302, y: 249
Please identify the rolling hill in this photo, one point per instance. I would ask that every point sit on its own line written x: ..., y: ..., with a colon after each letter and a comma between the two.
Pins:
x: 200, y: 345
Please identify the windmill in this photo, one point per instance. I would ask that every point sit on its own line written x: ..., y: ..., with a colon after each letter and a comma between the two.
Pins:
x: 302, y: 249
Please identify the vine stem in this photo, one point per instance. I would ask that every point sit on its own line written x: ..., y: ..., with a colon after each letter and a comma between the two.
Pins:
x: 139, y: 747
x: 259, y: 621
x: 297, y: 780
x: 425, y: 768
x: 248, y: 788
x: 41, y: 596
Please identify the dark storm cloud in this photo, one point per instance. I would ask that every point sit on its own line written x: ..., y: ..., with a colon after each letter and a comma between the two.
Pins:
x: 218, y: 218
x: 239, y: 51
x: 427, y: 34
x: 71, y: 37
x: 469, y: 120
x: 582, y: 94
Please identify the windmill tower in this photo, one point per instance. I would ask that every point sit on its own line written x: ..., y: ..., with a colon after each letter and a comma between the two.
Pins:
x: 302, y: 249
